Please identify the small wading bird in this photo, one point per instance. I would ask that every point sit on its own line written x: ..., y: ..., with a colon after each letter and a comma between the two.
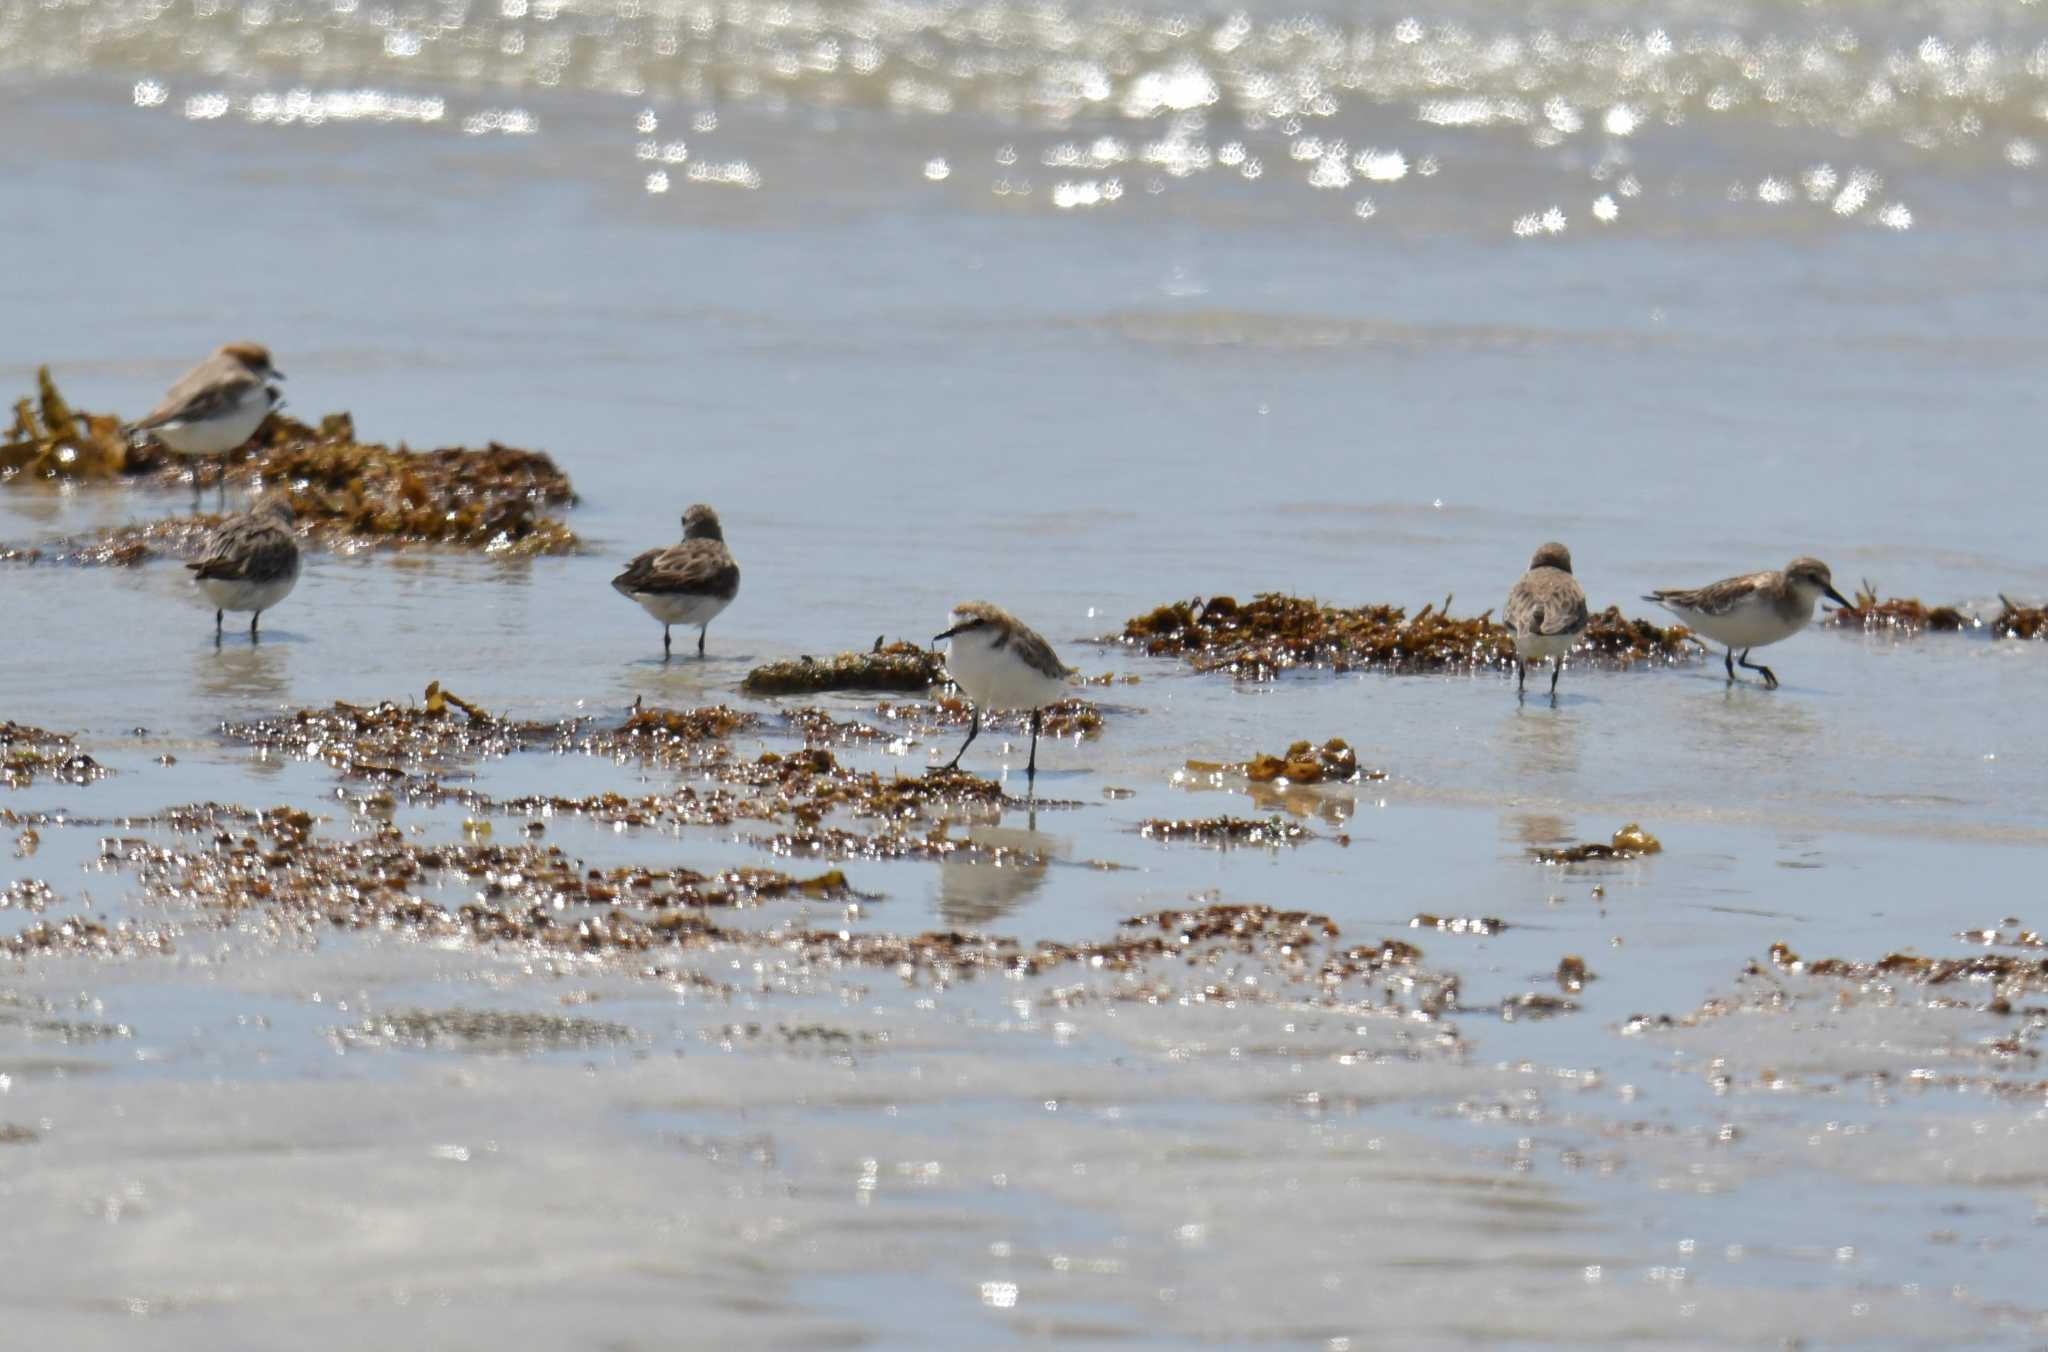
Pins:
x: 1754, y: 610
x: 215, y: 407
x: 251, y: 562
x: 999, y: 662
x: 1546, y: 613
x: 687, y: 583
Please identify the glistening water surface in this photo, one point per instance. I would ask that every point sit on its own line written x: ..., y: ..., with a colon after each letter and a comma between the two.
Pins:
x: 1081, y: 309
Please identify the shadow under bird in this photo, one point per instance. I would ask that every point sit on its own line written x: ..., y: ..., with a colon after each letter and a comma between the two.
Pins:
x: 686, y: 583
x: 1546, y: 614
x: 251, y: 562
x: 1753, y: 610
x: 215, y: 407
x: 999, y: 662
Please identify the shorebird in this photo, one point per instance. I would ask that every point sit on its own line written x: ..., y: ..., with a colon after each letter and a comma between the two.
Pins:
x: 999, y: 662
x: 686, y: 583
x: 215, y: 407
x: 1546, y: 613
x: 1753, y: 610
x: 251, y: 562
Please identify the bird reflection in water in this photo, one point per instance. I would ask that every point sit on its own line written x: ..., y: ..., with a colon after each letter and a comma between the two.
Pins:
x: 995, y: 870
x: 260, y: 671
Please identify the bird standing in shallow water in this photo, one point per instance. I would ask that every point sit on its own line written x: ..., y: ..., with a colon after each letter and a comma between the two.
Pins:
x: 251, y: 562
x: 999, y: 662
x: 686, y: 583
x: 1753, y: 610
x: 1546, y: 614
x: 215, y: 407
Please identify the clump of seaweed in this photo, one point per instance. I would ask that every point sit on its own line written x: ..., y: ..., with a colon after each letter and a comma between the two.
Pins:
x: 1071, y: 717
x: 1630, y: 842
x: 2018, y: 621
x: 1459, y: 924
x: 1899, y: 614
x: 1226, y: 831
x: 894, y: 666
x: 27, y: 753
x: 346, y: 493
x: 84, y: 937
x: 50, y: 441
x: 686, y: 725
x: 388, y: 739
x: 2007, y: 974
x: 1275, y: 633
x: 1334, y: 762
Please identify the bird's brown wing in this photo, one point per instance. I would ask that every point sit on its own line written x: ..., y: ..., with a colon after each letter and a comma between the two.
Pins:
x: 249, y: 550
x: 692, y: 568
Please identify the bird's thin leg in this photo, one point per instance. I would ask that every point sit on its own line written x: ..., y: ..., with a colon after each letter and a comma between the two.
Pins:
x: 701, y: 631
x: 664, y: 643
x: 973, y: 731
x: 1731, y: 666
x: 216, y: 626
x: 221, y: 481
x: 1555, y: 672
x: 1770, y: 681
x: 198, y: 468
x: 1031, y: 766
x: 252, y: 625
x: 1521, y: 678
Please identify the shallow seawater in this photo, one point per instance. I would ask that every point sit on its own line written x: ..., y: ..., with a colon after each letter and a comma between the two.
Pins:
x: 1082, y: 310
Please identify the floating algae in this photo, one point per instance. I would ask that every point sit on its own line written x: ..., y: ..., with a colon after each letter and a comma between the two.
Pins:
x: 894, y: 666
x: 27, y: 753
x: 396, y: 741
x: 346, y: 493
x: 1459, y: 924
x: 1630, y: 842
x: 51, y: 442
x: 1275, y: 633
x: 1226, y: 831
x: 1334, y: 762
x: 2017, y: 621
x: 1906, y: 615
x: 1072, y: 717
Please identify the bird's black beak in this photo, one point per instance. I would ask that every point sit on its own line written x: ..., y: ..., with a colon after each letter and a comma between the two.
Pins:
x: 940, y: 638
x: 276, y: 374
x: 1836, y: 597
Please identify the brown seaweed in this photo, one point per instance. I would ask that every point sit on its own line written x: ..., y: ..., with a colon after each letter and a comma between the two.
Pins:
x: 28, y: 753
x: 895, y: 666
x: 1226, y: 831
x: 346, y: 493
x: 49, y: 441
x: 1334, y: 762
x: 2018, y: 621
x: 1274, y: 633
x: 1630, y: 842
x: 1898, y: 614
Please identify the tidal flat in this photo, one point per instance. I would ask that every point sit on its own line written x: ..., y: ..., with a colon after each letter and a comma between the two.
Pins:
x: 447, y: 969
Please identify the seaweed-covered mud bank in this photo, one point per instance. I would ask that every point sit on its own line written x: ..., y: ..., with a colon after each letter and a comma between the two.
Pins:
x: 347, y: 494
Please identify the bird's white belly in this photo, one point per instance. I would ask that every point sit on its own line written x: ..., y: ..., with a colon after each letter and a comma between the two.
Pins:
x: 232, y: 594
x: 1543, y: 647
x: 995, y: 678
x: 1746, y: 626
x: 214, y: 435
x: 679, y: 608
